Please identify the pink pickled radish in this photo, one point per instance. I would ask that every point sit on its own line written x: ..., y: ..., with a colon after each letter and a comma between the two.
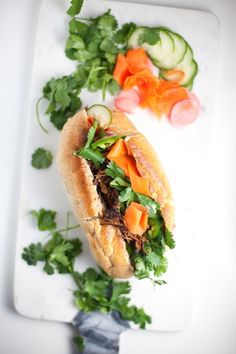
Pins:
x: 130, y: 94
x: 185, y: 112
x: 127, y: 100
x: 125, y: 105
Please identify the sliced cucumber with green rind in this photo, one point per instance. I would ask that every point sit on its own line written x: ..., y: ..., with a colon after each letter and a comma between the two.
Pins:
x: 133, y: 41
x: 180, y: 47
x: 170, y: 52
x: 101, y: 113
x: 188, y: 65
x: 163, y: 50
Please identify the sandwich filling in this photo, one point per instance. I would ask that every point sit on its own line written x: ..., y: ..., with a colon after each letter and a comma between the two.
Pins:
x: 127, y: 201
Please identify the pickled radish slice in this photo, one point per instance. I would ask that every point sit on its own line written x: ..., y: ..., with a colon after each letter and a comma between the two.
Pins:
x: 184, y: 112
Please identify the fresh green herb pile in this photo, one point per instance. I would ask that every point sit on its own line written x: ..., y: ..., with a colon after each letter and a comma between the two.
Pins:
x: 95, y: 289
x: 93, y: 44
x: 150, y: 262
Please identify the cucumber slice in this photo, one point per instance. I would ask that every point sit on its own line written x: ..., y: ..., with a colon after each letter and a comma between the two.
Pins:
x: 170, y: 52
x: 101, y: 113
x: 180, y: 47
x: 133, y: 41
x: 163, y: 50
x: 188, y: 65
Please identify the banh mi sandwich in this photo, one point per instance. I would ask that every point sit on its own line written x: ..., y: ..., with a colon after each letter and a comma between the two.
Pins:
x: 119, y: 192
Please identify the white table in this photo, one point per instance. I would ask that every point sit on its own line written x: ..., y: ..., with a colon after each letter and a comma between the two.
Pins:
x: 212, y: 330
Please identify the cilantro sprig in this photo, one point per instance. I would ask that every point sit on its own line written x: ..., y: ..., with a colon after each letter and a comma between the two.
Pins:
x: 41, y: 158
x: 96, y: 291
x: 57, y: 253
x: 93, y: 44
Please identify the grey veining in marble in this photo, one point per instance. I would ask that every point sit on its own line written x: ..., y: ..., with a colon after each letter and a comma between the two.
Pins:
x: 101, y: 331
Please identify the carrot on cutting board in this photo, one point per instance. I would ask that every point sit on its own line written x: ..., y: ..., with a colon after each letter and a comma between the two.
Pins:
x: 121, y: 71
x: 136, y: 218
x: 137, y: 60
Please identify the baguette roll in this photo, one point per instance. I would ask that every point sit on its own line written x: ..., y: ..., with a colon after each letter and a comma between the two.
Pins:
x: 106, y: 242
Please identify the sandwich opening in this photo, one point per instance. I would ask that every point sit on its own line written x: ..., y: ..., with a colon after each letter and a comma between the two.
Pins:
x: 127, y: 201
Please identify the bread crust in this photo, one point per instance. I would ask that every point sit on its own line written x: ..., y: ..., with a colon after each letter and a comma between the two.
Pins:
x: 105, y: 241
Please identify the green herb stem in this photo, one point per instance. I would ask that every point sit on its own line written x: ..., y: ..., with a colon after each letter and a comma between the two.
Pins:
x: 63, y: 230
x: 38, y: 116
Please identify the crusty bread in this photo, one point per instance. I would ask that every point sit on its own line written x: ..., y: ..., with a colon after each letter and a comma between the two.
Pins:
x: 106, y: 243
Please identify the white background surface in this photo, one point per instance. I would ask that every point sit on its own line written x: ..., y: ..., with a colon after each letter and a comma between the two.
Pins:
x: 212, y: 330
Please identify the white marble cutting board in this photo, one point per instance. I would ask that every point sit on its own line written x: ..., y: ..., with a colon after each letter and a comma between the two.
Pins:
x: 183, y: 153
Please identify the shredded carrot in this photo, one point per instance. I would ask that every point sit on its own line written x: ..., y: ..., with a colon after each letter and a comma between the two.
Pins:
x: 121, y: 70
x: 156, y: 94
x: 137, y: 60
x: 136, y: 218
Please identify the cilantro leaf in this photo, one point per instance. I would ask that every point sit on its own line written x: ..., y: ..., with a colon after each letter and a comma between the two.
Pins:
x: 92, y: 155
x: 63, y: 100
x: 73, y: 45
x: 114, y: 171
x: 45, y: 219
x: 122, y: 35
x: 79, y: 341
x: 119, y: 183
x: 34, y: 253
x: 107, y: 45
x: 107, y: 23
x: 127, y: 196
x: 150, y: 36
x: 149, y: 203
x: 169, y: 240
x: 78, y: 27
x: 113, y: 87
x: 118, y: 289
x: 59, y: 254
x: 98, y: 291
x: 41, y: 158
x: 75, y: 7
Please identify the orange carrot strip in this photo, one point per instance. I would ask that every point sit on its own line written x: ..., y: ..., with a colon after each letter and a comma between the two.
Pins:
x: 122, y: 162
x: 118, y: 149
x: 121, y: 155
x: 121, y: 71
x: 139, y: 184
x: 137, y: 60
x: 136, y: 218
